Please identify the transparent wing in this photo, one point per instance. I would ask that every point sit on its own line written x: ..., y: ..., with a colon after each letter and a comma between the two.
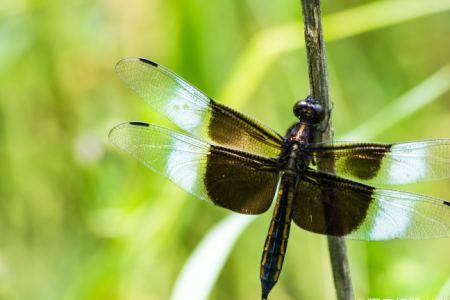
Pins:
x: 194, y: 112
x: 235, y: 180
x: 329, y: 205
x: 388, y: 163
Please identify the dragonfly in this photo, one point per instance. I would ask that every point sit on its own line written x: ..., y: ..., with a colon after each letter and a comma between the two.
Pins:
x: 235, y: 162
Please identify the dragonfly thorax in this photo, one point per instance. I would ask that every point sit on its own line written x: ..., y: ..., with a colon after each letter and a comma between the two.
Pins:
x: 294, y: 159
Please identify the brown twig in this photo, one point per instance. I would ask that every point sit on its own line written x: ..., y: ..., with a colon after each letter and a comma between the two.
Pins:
x: 318, y: 77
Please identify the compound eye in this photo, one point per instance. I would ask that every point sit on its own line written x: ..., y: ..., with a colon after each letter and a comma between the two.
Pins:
x: 319, y: 112
x: 309, y: 109
x: 300, y: 109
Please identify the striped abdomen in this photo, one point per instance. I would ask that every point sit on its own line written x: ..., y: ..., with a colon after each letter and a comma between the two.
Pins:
x: 277, y: 237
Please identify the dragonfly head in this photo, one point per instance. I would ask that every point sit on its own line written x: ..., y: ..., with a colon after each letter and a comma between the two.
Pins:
x: 309, y: 110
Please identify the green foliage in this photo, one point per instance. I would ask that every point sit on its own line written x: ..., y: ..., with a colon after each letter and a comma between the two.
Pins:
x: 79, y: 220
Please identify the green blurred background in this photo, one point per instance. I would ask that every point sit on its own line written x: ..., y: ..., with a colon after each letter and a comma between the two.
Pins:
x: 80, y: 220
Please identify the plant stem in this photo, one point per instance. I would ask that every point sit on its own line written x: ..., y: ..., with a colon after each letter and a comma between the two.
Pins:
x: 318, y: 78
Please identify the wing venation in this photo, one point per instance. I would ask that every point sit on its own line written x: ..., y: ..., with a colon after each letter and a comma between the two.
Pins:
x: 236, y: 180
x: 194, y: 112
x: 330, y: 205
x: 392, y: 164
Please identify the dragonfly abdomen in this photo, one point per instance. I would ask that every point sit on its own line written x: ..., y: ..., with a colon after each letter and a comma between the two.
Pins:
x: 277, y: 237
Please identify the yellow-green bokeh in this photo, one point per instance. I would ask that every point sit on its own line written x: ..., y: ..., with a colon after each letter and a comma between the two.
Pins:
x: 80, y: 220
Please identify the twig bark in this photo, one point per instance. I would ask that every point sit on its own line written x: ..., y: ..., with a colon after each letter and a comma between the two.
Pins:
x: 318, y: 77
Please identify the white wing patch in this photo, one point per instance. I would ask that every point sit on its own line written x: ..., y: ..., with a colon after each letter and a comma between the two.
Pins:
x: 399, y: 215
x: 183, y: 166
x: 389, y: 221
x: 179, y: 157
x: 166, y: 93
x: 410, y: 167
x: 184, y: 113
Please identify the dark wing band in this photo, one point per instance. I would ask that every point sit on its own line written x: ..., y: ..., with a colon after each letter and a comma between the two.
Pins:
x: 194, y: 112
x: 334, y: 206
x: 387, y: 163
x: 235, y: 180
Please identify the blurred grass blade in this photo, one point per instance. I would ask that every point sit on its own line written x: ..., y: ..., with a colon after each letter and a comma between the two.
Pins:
x: 259, y: 54
x: 203, y: 267
x: 420, y: 96
x: 444, y: 293
x: 268, y: 44
x: 379, y: 14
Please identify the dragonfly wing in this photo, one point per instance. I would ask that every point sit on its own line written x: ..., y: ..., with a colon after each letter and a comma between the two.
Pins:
x: 394, y: 164
x: 194, y: 112
x: 235, y: 180
x: 334, y: 206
